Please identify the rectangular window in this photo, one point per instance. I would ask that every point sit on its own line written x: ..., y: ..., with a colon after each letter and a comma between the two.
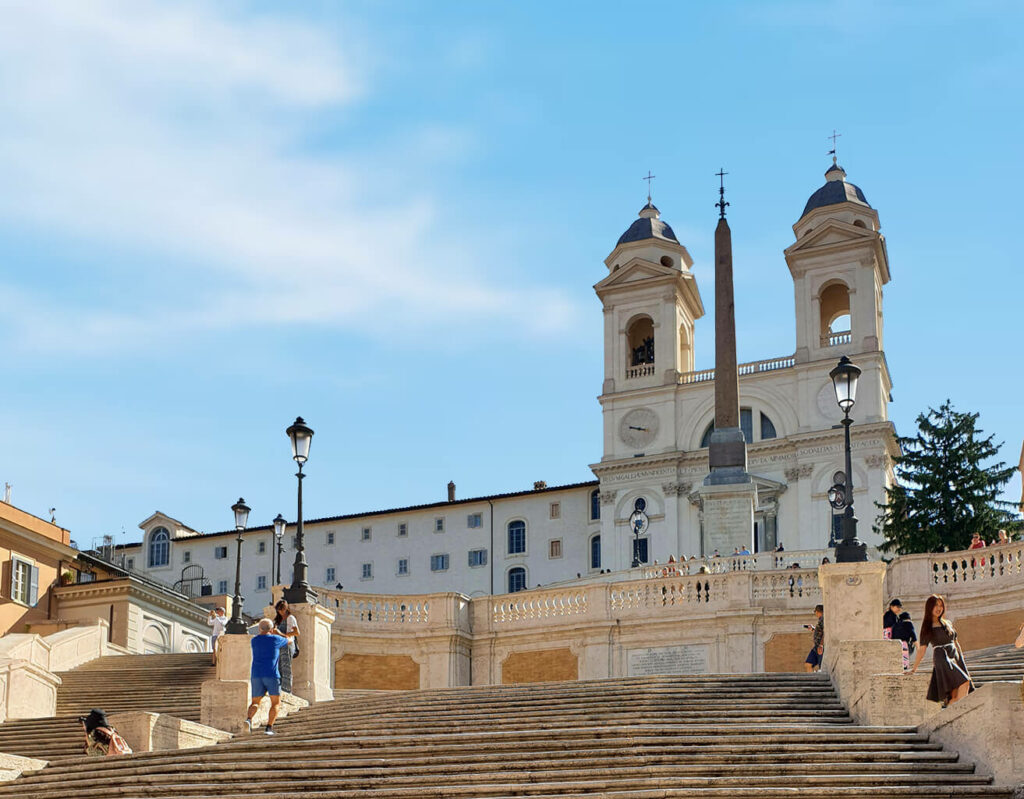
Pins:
x: 261, y: 582
x: 477, y: 557
x: 747, y: 424
x: 222, y: 587
x: 186, y: 556
x: 475, y: 520
x: 24, y: 581
x: 367, y: 571
x: 130, y: 563
x: 220, y: 553
x: 329, y: 575
x: 261, y: 547
x: 439, y: 525
x: 439, y: 563
x: 642, y: 550
x: 403, y: 530
x: 403, y: 566
x: 556, y: 510
x: 330, y: 537
x: 555, y: 548
x: 367, y: 534
x: 595, y: 552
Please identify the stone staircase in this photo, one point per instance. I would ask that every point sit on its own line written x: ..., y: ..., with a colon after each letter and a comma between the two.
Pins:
x: 995, y: 663
x: 764, y: 736
x: 155, y: 683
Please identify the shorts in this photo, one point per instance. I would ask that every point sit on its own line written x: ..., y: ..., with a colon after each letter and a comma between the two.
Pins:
x: 213, y: 642
x: 813, y: 657
x: 265, y: 685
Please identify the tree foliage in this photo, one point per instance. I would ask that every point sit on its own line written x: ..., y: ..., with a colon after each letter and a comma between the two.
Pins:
x: 944, y: 491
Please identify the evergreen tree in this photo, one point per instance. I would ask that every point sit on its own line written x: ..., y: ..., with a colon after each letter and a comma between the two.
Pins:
x: 944, y: 492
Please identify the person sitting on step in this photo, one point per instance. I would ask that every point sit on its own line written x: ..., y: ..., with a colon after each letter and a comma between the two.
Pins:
x: 101, y: 738
x: 265, y: 675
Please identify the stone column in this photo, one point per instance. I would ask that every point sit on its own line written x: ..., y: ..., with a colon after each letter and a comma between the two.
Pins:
x: 313, y: 669
x: 224, y: 700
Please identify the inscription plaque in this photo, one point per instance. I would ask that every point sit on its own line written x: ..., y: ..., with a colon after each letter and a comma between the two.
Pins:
x: 686, y: 659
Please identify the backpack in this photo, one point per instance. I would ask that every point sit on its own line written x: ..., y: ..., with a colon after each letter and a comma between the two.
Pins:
x: 118, y: 745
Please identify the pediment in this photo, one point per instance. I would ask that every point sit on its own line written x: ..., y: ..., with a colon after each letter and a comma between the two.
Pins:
x: 176, y: 528
x: 635, y: 271
x: 832, y: 232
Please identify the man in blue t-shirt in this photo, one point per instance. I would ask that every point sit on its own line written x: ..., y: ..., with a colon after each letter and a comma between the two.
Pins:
x: 265, y: 674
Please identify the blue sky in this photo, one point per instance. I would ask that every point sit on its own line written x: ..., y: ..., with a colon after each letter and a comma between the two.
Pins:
x: 387, y: 217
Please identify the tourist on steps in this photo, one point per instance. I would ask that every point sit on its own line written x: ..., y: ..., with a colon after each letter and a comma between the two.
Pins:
x: 950, y: 679
x: 265, y: 676
x: 101, y: 738
x: 815, y: 656
x: 891, y: 616
x: 218, y: 621
x: 904, y: 632
x: 286, y: 625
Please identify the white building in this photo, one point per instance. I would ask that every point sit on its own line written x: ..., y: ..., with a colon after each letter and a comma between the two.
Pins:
x: 658, y: 413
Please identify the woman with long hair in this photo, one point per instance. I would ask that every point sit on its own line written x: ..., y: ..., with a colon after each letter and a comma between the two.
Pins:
x: 950, y: 679
x: 286, y: 625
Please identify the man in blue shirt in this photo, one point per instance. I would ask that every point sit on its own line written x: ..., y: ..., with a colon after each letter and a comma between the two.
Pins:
x: 265, y: 674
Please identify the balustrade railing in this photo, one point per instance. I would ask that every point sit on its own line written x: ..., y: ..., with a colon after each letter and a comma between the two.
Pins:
x: 762, y: 561
x: 640, y: 370
x: 791, y: 584
x: 753, y: 367
x: 380, y: 609
x: 996, y: 563
x: 527, y: 605
x: 836, y: 339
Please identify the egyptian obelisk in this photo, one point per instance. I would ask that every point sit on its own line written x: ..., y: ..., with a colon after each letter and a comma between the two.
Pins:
x: 729, y: 495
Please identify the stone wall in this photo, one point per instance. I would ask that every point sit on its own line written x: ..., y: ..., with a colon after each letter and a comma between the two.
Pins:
x: 376, y: 672
x: 540, y: 665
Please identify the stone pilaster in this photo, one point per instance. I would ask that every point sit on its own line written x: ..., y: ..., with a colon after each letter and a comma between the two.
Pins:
x: 313, y: 669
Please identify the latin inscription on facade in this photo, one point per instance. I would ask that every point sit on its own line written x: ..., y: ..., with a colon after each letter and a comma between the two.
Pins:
x: 687, y: 659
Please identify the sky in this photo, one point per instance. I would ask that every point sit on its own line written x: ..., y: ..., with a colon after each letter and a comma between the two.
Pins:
x: 387, y: 217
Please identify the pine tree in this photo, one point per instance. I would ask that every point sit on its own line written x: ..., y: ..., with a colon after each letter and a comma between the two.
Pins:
x: 944, y: 492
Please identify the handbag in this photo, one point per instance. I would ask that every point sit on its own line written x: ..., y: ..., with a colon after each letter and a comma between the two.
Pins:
x: 118, y: 745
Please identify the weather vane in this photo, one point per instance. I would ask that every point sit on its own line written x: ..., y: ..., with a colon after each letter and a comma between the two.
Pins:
x: 834, y: 136
x: 649, y: 177
x: 721, y: 204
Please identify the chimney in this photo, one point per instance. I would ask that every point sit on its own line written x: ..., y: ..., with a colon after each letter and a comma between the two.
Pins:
x: 451, y: 490
x: 540, y: 485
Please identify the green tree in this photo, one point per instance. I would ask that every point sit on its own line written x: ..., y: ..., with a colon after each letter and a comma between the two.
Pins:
x: 944, y: 491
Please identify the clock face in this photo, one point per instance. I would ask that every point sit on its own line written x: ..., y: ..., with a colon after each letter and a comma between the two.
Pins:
x: 827, y: 405
x: 638, y: 428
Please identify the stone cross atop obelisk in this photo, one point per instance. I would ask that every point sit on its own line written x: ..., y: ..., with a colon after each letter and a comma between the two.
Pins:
x: 729, y: 496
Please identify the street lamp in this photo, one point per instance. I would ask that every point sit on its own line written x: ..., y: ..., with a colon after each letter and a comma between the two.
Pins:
x: 279, y: 525
x: 299, y: 591
x: 235, y: 625
x: 836, y: 501
x: 637, y: 527
x: 844, y: 380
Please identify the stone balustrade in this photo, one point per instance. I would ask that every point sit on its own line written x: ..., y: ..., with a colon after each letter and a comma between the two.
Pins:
x: 836, y: 339
x: 640, y: 370
x: 965, y: 573
x: 752, y: 367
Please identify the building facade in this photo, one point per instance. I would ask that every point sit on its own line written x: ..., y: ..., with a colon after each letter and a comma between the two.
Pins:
x: 657, y: 418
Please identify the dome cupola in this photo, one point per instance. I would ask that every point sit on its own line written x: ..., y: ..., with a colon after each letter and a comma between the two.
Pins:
x: 835, y: 191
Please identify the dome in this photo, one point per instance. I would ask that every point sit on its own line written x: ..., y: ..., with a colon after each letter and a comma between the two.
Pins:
x: 648, y: 226
x: 836, y: 190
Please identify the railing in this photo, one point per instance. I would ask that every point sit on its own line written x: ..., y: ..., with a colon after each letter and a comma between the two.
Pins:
x: 527, y: 605
x: 788, y: 585
x: 1002, y: 562
x: 667, y: 593
x: 836, y: 339
x: 640, y: 370
x: 753, y: 367
x: 762, y: 561
x: 382, y: 610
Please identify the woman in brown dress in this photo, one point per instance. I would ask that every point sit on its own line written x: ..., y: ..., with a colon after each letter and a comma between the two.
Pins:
x: 950, y: 678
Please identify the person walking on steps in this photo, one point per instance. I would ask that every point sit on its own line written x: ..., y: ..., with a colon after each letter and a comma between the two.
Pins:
x: 286, y: 625
x: 904, y: 632
x: 265, y: 675
x: 950, y: 679
x: 891, y: 616
x: 814, y: 657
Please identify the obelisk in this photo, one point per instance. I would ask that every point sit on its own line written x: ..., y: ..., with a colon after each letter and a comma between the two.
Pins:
x: 729, y: 495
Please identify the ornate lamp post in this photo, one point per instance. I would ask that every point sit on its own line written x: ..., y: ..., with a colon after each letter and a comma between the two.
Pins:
x: 299, y: 591
x: 279, y: 525
x: 844, y: 380
x: 836, y: 501
x: 235, y: 625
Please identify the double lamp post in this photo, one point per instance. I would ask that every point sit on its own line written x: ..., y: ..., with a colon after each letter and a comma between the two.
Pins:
x: 299, y: 591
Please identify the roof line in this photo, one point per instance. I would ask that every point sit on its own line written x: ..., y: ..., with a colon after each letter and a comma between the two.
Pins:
x: 387, y: 511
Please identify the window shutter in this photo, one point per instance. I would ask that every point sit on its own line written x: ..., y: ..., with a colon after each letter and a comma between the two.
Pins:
x: 8, y: 579
x: 33, y: 589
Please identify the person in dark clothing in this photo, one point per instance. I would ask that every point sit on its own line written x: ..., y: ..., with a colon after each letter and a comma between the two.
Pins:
x: 100, y: 736
x: 815, y: 656
x: 892, y: 615
x: 904, y: 632
x: 950, y: 679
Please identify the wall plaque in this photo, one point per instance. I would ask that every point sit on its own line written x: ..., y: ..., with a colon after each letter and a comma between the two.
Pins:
x: 686, y: 659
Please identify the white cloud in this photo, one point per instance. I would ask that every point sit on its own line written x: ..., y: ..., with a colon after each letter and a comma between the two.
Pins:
x: 178, y: 129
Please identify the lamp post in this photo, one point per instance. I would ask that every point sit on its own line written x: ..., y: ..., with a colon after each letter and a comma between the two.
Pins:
x: 235, y: 625
x: 279, y: 525
x: 637, y: 526
x: 836, y: 501
x: 299, y: 591
x: 844, y: 380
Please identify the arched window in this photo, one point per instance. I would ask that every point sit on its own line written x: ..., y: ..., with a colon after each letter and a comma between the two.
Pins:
x: 516, y: 537
x: 159, y: 548
x: 640, y: 340
x: 835, y: 315
x: 595, y: 552
x: 595, y: 505
x: 767, y: 428
x: 516, y: 579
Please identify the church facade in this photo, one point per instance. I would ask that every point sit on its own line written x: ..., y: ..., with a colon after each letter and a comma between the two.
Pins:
x: 657, y: 419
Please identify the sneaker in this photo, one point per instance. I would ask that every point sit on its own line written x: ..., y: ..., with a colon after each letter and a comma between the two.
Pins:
x: 248, y: 726
x: 269, y: 730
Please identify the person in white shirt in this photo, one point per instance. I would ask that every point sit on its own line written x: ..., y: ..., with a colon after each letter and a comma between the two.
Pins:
x: 286, y: 624
x: 218, y: 621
